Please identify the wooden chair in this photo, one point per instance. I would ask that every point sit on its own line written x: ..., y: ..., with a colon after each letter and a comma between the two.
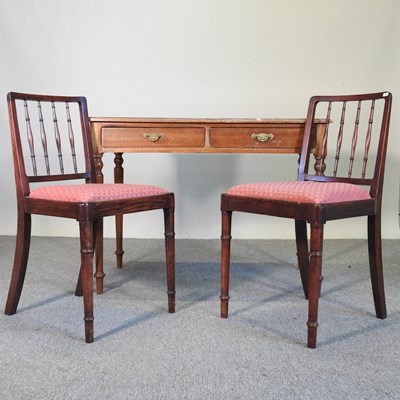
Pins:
x: 352, y: 189
x: 66, y: 155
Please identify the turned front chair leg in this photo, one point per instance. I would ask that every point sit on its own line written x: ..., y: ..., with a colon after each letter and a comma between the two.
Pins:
x: 225, y: 261
x: 314, y: 285
x: 87, y: 251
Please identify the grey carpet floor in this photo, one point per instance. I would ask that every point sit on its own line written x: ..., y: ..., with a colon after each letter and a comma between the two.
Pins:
x: 142, y: 352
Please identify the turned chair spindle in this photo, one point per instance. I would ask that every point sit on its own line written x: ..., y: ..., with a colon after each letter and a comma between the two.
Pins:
x: 368, y: 139
x: 71, y: 137
x: 29, y: 135
x: 339, y: 139
x: 57, y: 138
x: 43, y: 138
x: 354, y: 140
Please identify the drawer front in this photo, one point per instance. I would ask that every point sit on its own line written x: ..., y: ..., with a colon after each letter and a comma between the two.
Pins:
x: 282, y: 137
x: 148, y: 137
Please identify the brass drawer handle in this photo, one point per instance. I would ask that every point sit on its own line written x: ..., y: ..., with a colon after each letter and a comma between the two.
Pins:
x: 153, y: 137
x: 262, y: 137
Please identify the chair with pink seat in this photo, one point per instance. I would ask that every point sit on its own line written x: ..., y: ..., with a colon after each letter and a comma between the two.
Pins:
x: 52, y: 146
x: 354, y: 144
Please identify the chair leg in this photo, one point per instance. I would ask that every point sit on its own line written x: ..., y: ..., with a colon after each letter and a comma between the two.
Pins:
x: 302, y: 253
x: 99, y: 275
x: 314, y: 282
x: 79, y: 289
x: 375, y: 264
x: 87, y: 251
x: 169, y: 228
x: 22, y: 244
x: 119, y: 178
x: 99, y: 251
x: 225, y: 260
x: 119, y: 252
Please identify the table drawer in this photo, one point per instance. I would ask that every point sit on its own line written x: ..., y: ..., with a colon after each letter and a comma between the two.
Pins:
x: 148, y: 137
x: 282, y: 137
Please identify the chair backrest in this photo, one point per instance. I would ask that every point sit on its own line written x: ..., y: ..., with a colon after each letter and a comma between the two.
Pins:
x: 353, y: 141
x: 51, y: 139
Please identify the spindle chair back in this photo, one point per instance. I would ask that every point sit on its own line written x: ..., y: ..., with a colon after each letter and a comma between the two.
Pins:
x: 55, y: 176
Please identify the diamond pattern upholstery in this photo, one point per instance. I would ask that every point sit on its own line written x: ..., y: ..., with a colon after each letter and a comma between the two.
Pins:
x: 92, y: 192
x: 302, y: 191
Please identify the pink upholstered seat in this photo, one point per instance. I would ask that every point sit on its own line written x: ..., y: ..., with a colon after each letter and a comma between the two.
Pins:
x: 95, y: 192
x: 302, y: 191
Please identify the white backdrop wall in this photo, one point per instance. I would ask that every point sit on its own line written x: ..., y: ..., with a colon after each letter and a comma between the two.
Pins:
x: 209, y: 58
